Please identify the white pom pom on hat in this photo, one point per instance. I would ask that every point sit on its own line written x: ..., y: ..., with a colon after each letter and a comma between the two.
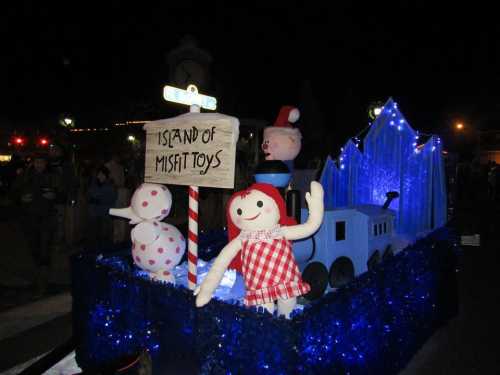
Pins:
x: 287, y: 116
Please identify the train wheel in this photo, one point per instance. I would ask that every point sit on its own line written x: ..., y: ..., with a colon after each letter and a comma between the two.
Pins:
x: 374, y: 260
x: 388, y: 253
x: 341, y: 272
x: 316, y: 275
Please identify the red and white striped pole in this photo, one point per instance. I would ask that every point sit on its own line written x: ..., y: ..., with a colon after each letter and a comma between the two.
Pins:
x: 192, y: 237
x: 193, y: 228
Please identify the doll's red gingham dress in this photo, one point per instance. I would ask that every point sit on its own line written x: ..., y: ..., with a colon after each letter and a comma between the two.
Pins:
x: 269, y: 268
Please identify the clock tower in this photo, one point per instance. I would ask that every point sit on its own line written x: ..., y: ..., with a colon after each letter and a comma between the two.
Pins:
x: 189, y: 64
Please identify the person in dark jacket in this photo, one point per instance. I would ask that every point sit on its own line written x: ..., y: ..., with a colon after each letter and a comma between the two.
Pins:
x: 61, y: 164
x: 101, y: 197
x: 37, y: 190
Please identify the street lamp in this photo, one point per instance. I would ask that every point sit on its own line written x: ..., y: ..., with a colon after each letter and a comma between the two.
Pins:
x: 459, y: 126
x: 375, y: 109
x: 66, y: 121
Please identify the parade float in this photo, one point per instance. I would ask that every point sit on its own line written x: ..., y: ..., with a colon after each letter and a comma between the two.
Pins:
x: 372, y: 324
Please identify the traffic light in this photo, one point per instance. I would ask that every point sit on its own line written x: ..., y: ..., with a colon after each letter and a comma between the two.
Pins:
x: 18, y: 141
x: 43, y: 141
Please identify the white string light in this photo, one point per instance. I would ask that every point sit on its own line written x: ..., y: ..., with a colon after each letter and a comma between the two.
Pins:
x: 394, y: 112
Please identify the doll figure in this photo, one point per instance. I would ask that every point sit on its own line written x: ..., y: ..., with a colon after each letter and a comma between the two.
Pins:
x: 282, y: 141
x: 259, y: 227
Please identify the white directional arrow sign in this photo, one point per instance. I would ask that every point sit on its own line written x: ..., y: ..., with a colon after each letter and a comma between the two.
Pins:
x: 190, y: 96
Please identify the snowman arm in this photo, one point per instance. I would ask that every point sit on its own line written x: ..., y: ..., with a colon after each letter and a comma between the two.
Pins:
x: 127, y: 213
x: 216, y: 273
x: 316, y: 210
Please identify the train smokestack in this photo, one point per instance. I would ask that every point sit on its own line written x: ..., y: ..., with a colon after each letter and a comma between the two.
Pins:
x: 391, y: 195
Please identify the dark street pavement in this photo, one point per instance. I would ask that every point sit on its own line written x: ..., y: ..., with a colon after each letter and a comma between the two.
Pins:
x: 466, y: 345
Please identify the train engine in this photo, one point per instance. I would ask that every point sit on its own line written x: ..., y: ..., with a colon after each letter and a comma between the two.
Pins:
x: 350, y: 241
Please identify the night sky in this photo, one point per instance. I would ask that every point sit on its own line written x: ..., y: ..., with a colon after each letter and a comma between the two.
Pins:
x: 106, y: 62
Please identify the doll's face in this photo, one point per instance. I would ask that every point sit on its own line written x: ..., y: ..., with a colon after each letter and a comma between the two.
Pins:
x: 255, y: 211
x: 283, y: 145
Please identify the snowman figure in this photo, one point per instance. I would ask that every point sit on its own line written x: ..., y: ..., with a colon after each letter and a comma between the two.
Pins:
x: 156, y: 247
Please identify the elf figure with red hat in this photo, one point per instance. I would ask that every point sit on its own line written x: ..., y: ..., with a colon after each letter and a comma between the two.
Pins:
x: 282, y: 141
x: 260, y: 232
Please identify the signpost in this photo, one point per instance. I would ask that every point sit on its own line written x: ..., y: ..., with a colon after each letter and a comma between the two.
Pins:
x: 190, y: 96
x: 194, y: 149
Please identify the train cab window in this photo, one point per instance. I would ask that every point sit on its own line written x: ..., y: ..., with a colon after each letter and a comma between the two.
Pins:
x: 375, y: 232
x: 385, y: 227
x: 380, y: 228
x: 339, y: 230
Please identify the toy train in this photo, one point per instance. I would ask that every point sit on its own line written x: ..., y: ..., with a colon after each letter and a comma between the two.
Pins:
x: 350, y: 240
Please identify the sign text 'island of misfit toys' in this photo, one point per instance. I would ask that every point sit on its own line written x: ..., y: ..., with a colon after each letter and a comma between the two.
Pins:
x: 193, y: 149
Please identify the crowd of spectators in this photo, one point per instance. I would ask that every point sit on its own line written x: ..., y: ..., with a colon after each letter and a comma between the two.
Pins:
x: 60, y: 203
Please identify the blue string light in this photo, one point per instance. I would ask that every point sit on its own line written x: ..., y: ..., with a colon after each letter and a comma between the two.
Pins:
x: 391, y: 160
x: 373, y: 325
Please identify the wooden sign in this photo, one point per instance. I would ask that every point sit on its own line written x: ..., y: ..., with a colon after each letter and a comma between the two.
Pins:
x: 192, y: 149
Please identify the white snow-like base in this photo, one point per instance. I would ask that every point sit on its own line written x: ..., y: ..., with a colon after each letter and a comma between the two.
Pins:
x: 66, y: 366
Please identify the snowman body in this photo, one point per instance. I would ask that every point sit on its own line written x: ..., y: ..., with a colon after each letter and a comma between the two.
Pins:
x: 157, y: 248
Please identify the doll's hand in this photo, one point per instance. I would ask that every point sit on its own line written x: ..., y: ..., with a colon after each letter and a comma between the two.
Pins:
x: 314, y: 199
x: 202, y: 296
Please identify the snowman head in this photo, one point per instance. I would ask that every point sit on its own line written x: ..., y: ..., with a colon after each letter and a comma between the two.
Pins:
x: 282, y: 141
x: 151, y: 201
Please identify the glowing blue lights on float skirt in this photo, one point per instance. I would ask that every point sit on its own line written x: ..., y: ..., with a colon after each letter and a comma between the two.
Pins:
x: 373, y: 325
x: 392, y: 160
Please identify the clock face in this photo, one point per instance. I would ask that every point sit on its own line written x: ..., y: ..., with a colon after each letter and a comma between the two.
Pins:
x: 189, y: 72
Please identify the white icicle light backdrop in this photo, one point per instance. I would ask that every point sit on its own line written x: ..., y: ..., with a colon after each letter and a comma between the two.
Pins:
x: 192, y: 149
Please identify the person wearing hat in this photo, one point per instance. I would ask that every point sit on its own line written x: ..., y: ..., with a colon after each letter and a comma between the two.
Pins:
x: 37, y: 192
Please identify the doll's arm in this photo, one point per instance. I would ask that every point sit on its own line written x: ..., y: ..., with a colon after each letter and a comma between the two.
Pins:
x: 204, y: 292
x: 316, y: 208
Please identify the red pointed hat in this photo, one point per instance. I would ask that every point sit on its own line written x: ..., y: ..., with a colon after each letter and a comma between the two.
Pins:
x: 287, y: 116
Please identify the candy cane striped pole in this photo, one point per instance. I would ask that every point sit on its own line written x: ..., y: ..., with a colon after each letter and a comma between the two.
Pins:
x: 192, y: 237
x: 193, y: 227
